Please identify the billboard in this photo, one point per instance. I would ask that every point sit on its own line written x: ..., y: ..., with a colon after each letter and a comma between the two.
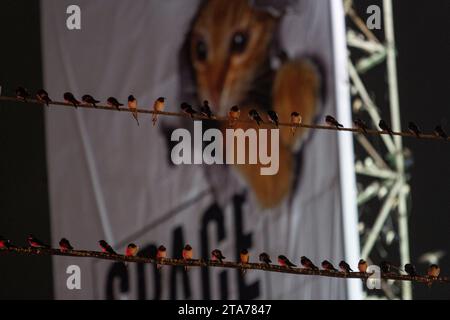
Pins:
x: 112, y: 179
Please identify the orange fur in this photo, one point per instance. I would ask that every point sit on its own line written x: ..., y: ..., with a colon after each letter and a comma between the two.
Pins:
x: 224, y: 77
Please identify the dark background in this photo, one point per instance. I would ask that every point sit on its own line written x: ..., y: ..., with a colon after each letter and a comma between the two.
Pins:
x: 423, y: 44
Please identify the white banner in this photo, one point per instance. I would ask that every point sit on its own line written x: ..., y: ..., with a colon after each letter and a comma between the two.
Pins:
x: 111, y: 179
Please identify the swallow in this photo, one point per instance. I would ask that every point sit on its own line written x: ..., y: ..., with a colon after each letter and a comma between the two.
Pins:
x: 217, y: 255
x: 361, y: 125
x: 89, y: 100
x: 131, y: 250
x: 64, y: 245
x: 22, y: 93
x: 206, y: 110
x: 439, y: 132
x: 333, y: 122
x: 187, y: 254
x: 284, y: 262
x: 414, y: 129
x: 244, y: 257
x: 307, y: 264
x: 187, y: 108
x: 385, y: 267
x: 296, y: 119
x: 36, y: 243
x: 43, y: 97
x: 273, y: 117
x: 327, y: 265
x: 132, y: 106
x: 362, y: 266
x: 158, y: 106
x: 254, y: 115
x: 410, y: 270
x: 106, y: 248
x: 161, y: 253
x: 113, y: 103
x: 433, y: 271
x: 384, y: 126
x: 5, y: 243
x: 265, y: 258
x: 233, y: 115
x: 344, y: 266
x: 70, y: 98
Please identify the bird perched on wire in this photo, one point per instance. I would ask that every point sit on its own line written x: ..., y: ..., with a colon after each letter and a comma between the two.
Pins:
x: 284, y: 262
x: 414, y: 129
x: 296, y: 119
x: 307, y: 264
x: 244, y: 258
x: 333, y: 122
x: 254, y: 115
x: 22, y: 93
x: 43, y: 97
x: 362, y: 266
x: 5, y: 243
x: 273, y: 117
x: 361, y: 125
x: 217, y: 255
x: 64, y: 245
x: 131, y: 251
x: 70, y: 98
x: 187, y: 254
x: 106, y: 248
x: 158, y: 106
x: 265, y: 258
x: 89, y: 100
x: 36, y: 243
x: 233, y: 115
x: 345, y: 267
x: 439, y: 132
x: 206, y: 110
x: 433, y: 272
x: 132, y: 106
x: 327, y: 265
x: 410, y: 269
x: 114, y: 103
x: 161, y: 253
x: 384, y: 126
x: 187, y: 109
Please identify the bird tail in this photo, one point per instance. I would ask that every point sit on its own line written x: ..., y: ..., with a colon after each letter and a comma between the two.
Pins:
x: 135, y: 116
x: 293, y: 130
x: 154, y: 118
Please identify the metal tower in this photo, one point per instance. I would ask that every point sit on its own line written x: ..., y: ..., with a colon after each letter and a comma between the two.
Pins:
x: 383, y: 187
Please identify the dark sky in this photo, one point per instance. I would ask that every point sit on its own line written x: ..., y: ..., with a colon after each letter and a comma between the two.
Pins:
x: 423, y: 43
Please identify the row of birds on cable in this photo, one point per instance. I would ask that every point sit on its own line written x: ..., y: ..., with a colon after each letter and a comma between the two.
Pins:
x: 244, y: 256
x: 233, y: 114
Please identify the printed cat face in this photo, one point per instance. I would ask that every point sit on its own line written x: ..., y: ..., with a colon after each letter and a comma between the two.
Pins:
x: 229, y: 42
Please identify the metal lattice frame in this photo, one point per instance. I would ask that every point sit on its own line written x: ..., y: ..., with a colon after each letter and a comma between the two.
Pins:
x: 390, y: 183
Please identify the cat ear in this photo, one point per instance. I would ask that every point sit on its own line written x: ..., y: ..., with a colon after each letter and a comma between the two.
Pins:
x: 276, y: 8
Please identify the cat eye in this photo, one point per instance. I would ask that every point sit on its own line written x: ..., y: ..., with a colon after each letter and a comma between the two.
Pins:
x: 201, y: 51
x: 238, y: 42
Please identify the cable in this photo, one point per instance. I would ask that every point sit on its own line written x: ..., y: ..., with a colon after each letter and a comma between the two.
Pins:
x: 224, y: 119
x: 225, y: 264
